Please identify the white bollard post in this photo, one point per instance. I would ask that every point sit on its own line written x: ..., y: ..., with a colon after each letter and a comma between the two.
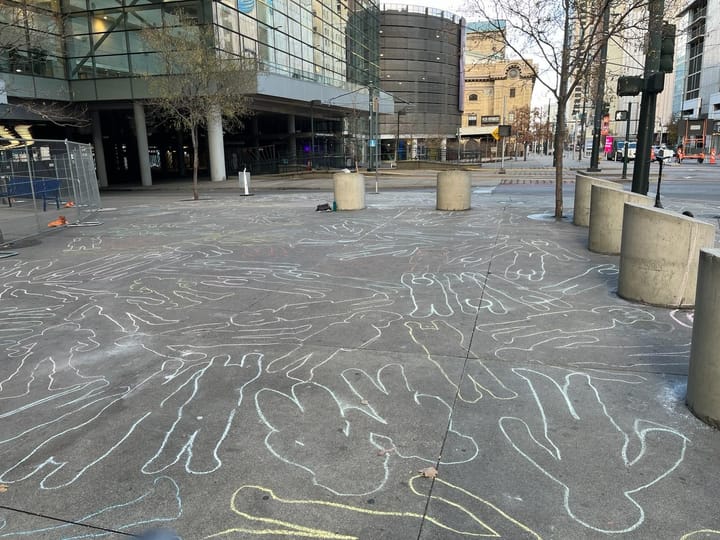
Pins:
x: 244, y: 180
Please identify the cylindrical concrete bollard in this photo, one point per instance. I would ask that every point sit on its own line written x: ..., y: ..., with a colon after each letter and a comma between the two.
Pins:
x: 606, y: 217
x: 703, y: 390
x: 659, y: 256
x: 349, y: 191
x: 453, y: 190
x: 583, y: 185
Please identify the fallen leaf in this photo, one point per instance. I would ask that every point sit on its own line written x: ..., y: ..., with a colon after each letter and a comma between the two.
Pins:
x: 3, y: 488
x: 364, y: 402
x: 385, y: 451
x: 429, y: 472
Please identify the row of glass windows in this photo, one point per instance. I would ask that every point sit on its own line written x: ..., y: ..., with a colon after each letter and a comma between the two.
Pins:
x: 287, y: 36
x: 695, y: 57
x: 88, y: 5
x: 30, y: 63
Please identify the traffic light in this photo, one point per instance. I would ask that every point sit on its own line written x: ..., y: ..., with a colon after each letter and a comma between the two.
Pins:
x: 655, y: 83
x: 667, y: 48
x: 630, y: 86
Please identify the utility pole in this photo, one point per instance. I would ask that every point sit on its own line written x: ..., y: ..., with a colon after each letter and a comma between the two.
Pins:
x: 646, y: 120
x: 371, y: 126
x: 600, y: 93
x: 583, y: 115
x: 502, y: 140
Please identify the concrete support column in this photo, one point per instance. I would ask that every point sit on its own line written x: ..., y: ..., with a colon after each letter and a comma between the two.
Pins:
x: 659, y: 256
x: 181, y: 152
x: 255, y: 132
x: 99, y: 150
x: 443, y: 149
x: 583, y: 186
x: 349, y: 191
x: 216, y: 146
x: 142, y: 143
x: 292, y: 138
x: 453, y: 190
x: 703, y: 390
x: 606, y: 217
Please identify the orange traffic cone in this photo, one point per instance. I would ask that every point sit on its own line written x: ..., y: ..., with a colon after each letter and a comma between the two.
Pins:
x: 652, y: 154
x: 712, y: 156
x: 69, y: 204
x: 59, y: 222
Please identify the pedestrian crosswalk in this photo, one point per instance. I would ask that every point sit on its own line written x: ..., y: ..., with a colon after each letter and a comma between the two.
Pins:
x: 508, y: 181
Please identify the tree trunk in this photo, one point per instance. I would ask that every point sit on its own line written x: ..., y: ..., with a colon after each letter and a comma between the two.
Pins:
x: 559, y: 141
x: 196, y: 164
x: 563, y: 84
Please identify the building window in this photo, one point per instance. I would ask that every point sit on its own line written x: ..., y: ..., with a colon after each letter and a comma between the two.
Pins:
x: 695, y: 48
x: 512, y: 92
x: 472, y: 97
x: 472, y: 120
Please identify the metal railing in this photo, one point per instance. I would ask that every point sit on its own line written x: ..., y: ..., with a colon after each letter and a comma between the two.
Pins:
x: 45, y: 184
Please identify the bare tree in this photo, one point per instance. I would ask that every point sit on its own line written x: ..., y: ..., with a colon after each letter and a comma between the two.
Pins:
x: 60, y: 113
x: 195, y: 80
x: 521, y: 127
x: 14, y: 18
x: 567, y: 36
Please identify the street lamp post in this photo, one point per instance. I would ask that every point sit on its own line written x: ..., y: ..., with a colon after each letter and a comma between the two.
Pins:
x: 660, y: 160
x: 599, y: 94
x: 627, y: 141
x: 371, y: 127
x: 502, y: 139
x: 397, y: 133
x: 312, y: 131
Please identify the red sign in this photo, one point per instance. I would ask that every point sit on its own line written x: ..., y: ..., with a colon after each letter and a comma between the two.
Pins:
x: 605, y: 125
x: 608, y: 144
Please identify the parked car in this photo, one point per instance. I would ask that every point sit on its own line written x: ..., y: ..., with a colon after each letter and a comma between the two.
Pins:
x: 662, y: 151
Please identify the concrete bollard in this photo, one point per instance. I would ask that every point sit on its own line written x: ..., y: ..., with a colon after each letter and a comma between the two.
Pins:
x: 583, y: 185
x: 659, y: 256
x: 703, y: 390
x: 606, y: 217
x: 349, y: 191
x: 453, y: 190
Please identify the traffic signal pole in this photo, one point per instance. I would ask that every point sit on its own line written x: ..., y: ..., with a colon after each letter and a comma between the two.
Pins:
x: 646, y: 121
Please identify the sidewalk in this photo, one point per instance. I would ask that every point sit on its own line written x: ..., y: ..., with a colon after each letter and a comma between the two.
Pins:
x: 485, y: 174
x: 246, y: 367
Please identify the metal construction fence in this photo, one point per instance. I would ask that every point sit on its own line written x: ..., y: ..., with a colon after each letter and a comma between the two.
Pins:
x: 45, y: 184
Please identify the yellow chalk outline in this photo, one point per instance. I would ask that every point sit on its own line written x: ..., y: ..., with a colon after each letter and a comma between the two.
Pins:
x: 688, y: 535
x: 309, y: 532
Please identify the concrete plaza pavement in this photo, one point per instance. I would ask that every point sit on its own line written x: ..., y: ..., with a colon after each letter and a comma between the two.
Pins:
x: 246, y: 367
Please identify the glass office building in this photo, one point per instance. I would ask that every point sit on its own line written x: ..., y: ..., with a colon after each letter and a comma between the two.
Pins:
x: 317, y: 59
